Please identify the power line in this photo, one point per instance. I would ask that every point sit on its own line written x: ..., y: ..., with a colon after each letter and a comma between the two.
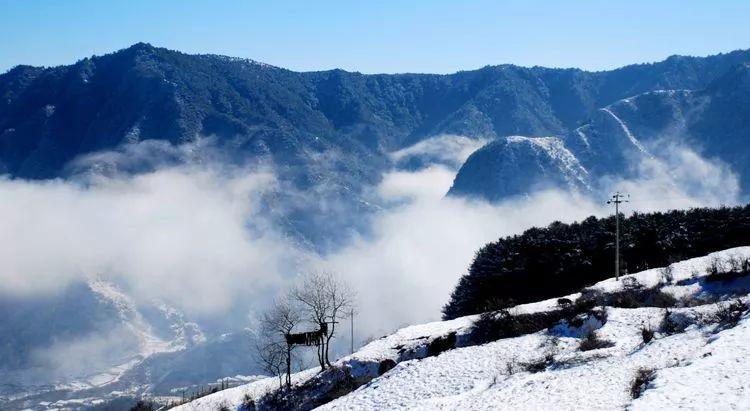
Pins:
x: 617, y: 199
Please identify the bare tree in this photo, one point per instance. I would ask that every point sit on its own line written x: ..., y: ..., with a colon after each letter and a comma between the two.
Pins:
x: 280, y: 319
x: 341, y: 297
x: 272, y: 357
x: 310, y: 294
x: 325, y: 299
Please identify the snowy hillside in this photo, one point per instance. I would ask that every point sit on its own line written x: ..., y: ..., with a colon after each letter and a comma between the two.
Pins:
x: 683, y: 331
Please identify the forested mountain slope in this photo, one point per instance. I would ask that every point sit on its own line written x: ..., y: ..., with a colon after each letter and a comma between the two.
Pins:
x: 48, y: 116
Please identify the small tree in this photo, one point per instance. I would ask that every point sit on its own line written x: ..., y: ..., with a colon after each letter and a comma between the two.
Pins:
x: 325, y: 299
x: 272, y: 349
x: 272, y: 357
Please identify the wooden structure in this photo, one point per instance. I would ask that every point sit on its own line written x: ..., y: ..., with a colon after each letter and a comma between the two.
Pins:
x: 308, y: 338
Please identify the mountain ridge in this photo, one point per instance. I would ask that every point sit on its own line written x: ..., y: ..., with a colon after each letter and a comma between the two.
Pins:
x: 329, y: 130
x: 648, y: 126
x: 145, y: 45
x: 344, y: 107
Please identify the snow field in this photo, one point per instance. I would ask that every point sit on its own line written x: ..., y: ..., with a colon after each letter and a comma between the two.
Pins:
x: 698, y: 368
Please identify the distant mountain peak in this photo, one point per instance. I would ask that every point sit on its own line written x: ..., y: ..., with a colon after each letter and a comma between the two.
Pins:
x: 141, y: 46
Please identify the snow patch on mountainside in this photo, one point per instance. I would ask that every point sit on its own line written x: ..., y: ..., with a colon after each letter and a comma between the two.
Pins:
x: 627, y: 131
x: 555, y: 148
x: 131, y: 318
x: 518, y: 165
x: 583, y: 136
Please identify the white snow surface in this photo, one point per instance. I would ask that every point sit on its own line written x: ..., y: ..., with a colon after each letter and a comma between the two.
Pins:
x: 234, y: 397
x: 627, y: 132
x: 556, y: 150
x: 703, y: 367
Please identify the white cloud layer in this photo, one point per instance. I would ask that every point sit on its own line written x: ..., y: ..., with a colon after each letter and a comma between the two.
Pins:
x: 177, y: 233
x: 450, y: 150
x: 196, y: 237
x: 681, y: 178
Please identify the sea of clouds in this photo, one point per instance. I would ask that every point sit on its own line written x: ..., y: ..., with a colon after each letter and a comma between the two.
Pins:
x: 195, y: 234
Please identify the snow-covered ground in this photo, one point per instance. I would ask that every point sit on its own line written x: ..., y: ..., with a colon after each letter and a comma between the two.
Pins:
x: 365, y: 361
x: 703, y: 367
x: 478, y: 377
x: 234, y: 397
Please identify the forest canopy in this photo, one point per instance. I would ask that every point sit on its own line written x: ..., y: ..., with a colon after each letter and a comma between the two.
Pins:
x: 562, y: 258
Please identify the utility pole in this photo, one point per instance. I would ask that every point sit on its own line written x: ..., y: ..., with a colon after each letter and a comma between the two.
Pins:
x: 617, y: 199
x: 351, y: 328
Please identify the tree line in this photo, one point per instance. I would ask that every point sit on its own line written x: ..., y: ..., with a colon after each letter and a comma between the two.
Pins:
x: 562, y: 258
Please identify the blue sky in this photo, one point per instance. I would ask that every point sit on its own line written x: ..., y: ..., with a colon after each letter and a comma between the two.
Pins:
x: 378, y: 36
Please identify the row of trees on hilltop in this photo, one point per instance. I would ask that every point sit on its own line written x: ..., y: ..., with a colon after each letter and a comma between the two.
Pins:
x: 562, y: 258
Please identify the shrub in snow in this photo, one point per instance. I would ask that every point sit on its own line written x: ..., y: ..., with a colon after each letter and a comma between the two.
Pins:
x: 591, y: 341
x: 564, y: 302
x: 728, y: 315
x: 634, y: 295
x: 511, y: 366
x: 647, y: 334
x: 580, y: 324
x: 540, y: 364
x: 738, y: 268
x: 589, y: 299
x: 641, y: 297
x: 248, y: 404
x: 640, y: 382
x: 493, y: 326
x: 738, y: 264
x: 673, y: 323
x: 667, y: 275
x: 661, y: 299
x: 631, y: 283
x: 441, y: 344
x: 323, y: 388
x: 385, y: 366
x: 599, y: 314
x: 668, y: 325
x: 714, y: 267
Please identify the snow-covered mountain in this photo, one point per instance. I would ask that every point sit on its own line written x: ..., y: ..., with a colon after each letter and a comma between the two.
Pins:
x: 663, y: 338
x: 617, y: 138
x: 519, y: 165
x: 328, y: 133
x: 329, y: 137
